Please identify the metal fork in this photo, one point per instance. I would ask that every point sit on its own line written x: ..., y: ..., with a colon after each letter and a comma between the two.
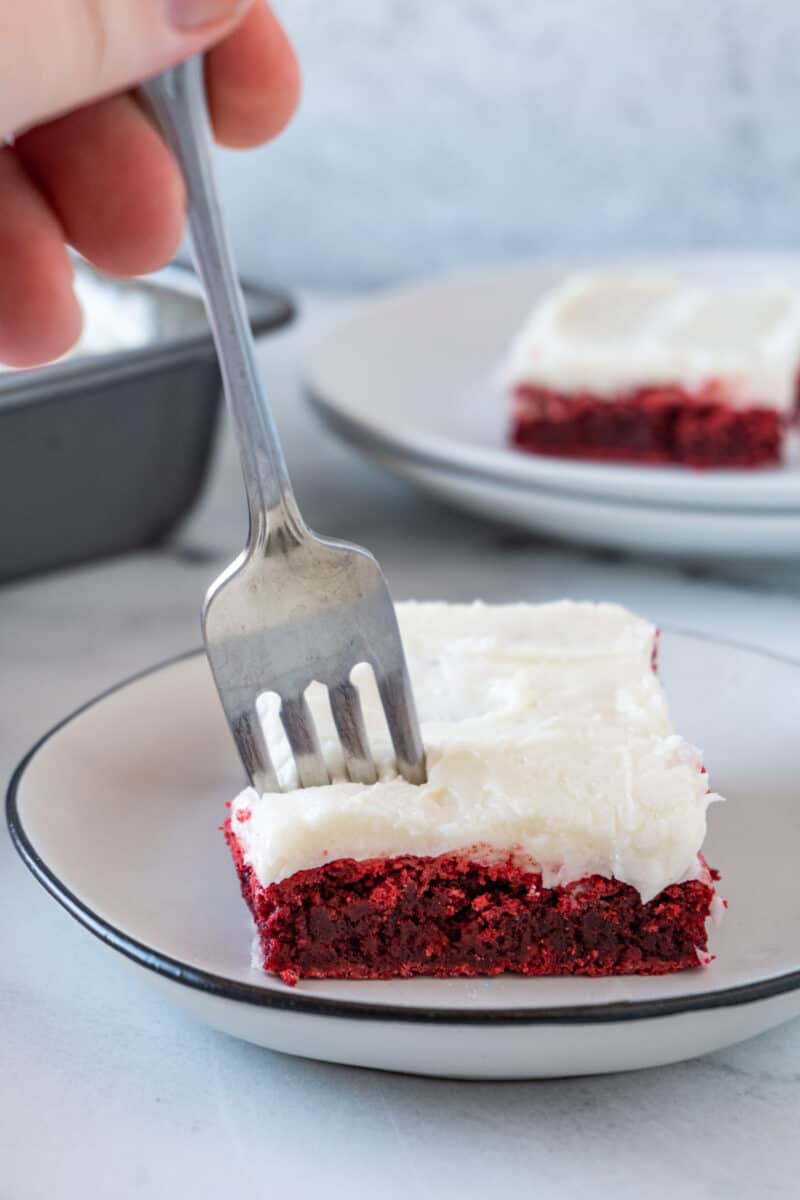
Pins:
x: 293, y: 607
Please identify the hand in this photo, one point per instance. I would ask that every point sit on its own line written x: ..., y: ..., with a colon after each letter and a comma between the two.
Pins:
x: 99, y: 177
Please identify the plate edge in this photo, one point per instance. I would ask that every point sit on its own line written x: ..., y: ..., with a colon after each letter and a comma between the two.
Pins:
x: 366, y: 438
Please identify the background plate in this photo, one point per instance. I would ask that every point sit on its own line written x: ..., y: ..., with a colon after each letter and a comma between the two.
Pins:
x: 414, y: 375
x: 602, y: 521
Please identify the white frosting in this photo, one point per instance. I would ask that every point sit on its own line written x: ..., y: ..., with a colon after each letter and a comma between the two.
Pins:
x: 547, y: 735
x: 611, y: 332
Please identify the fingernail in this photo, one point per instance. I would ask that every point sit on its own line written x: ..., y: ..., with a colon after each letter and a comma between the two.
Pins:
x: 189, y: 15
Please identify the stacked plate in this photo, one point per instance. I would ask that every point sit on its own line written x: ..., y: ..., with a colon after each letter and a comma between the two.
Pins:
x: 412, y: 380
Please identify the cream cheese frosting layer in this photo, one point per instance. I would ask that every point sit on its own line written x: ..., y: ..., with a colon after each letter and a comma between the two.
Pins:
x: 547, y: 735
x: 611, y: 332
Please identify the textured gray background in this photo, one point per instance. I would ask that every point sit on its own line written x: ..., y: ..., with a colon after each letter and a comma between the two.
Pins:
x: 435, y: 133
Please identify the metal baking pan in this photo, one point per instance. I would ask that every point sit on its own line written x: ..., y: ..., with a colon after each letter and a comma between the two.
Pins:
x: 105, y: 450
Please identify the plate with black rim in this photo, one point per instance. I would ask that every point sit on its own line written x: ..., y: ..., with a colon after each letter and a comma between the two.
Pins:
x: 117, y: 811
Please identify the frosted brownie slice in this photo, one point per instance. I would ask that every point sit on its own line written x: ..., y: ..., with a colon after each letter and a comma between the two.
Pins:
x: 644, y: 368
x: 559, y: 831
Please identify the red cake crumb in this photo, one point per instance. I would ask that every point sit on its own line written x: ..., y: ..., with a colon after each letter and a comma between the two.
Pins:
x: 395, y: 917
x: 647, y: 425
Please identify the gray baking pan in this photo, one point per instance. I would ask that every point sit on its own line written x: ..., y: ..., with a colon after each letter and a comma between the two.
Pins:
x: 106, y: 450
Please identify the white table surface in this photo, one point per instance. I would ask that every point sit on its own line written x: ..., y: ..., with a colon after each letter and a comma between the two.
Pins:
x: 105, y: 1091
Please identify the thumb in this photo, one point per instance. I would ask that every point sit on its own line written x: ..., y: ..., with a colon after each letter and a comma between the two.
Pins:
x: 55, y: 56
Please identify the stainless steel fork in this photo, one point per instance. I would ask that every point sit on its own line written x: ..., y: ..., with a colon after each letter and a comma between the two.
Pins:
x: 293, y: 607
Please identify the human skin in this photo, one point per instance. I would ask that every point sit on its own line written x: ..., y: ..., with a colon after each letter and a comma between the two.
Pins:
x: 86, y: 167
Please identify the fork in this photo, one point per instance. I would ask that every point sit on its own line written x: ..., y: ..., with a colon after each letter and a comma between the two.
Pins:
x: 293, y: 608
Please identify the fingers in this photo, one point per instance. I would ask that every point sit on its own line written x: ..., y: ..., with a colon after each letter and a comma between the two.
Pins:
x: 113, y: 185
x: 55, y: 56
x: 39, y: 315
x: 100, y: 177
x: 111, y: 182
x: 252, y: 80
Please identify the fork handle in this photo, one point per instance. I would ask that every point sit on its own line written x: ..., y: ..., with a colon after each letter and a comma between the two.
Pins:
x: 178, y: 99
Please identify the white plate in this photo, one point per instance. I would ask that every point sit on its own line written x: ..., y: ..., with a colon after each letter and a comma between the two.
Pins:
x: 640, y: 528
x: 117, y: 810
x: 412, y: 377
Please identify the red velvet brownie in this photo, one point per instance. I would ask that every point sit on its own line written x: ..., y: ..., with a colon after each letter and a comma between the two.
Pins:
x: 641, y: 368
x: 559, y: 831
